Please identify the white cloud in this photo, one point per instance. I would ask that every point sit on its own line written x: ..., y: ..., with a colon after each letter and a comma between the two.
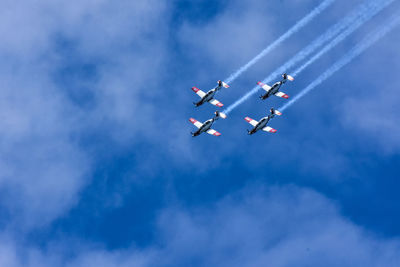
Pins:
x: 43, y: 166
x: 280, y: 226
x: 371, y: 110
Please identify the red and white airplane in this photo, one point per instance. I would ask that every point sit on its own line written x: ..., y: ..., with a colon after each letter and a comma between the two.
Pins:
x: 274, y: 89
x: 209, y: 96
x: 206, y: 126
x: 262, y: 124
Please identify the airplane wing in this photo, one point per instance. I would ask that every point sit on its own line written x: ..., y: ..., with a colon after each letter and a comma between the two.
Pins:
x: 264, y: 86
x: 213, y: 132
x: 269, y: 129
x: 251, y: 121
x: 215, y: 102
x: 282, y: 94
x: 196, y: 123
x: 198, y: 92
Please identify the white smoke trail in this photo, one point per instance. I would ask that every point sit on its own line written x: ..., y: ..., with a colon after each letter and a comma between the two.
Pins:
x: 356, y: 51
x: 378, y: 6
x: 327, y: 36
x: 300, y: 24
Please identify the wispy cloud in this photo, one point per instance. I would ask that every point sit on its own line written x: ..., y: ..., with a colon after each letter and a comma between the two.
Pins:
x: 277, y: 225
x: 43, y: 161
x: 85, y: 81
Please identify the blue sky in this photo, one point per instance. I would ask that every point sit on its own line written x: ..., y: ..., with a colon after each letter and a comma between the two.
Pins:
x: 98, y: 167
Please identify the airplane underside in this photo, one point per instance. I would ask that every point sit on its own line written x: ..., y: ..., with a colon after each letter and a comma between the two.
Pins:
x: 251, y: 132
x: 268, y: 94
x: 263, y: 97
x: 201, y: 102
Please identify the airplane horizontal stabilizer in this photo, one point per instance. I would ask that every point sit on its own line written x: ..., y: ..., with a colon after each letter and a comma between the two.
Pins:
x: 225, y: 85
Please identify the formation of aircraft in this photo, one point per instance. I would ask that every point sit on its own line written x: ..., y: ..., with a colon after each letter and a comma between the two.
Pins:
x: 274, y: 89
x: 209, y: 96
x: 257, y: 125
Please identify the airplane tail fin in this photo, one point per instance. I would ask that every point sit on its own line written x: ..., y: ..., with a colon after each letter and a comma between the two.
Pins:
x: 221, y: 83
x: 275, y: 112
x: 219, y: 114
x: 286, y: 76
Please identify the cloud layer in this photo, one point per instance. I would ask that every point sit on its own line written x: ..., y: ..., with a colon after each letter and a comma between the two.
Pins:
x: 84, y: 85
x: 68, y: 71
x: 281, y: 226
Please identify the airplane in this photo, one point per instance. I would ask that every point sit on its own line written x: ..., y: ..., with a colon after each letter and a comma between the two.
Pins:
x: 206, y: 126
x: 274, y: 89
x: 262, y: 124
x: 209, y: 96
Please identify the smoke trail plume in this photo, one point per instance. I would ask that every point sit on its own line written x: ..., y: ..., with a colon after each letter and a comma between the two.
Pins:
x: 300, y: 24
x: 321, y: 40
x: 356, y: 51
x: 353, y: 27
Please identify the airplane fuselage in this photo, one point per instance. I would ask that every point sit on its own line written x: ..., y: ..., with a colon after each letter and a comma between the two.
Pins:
x: 261, y: 124
x: 209, y: 96
x: 274, y: 89
x: 204, y: 128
